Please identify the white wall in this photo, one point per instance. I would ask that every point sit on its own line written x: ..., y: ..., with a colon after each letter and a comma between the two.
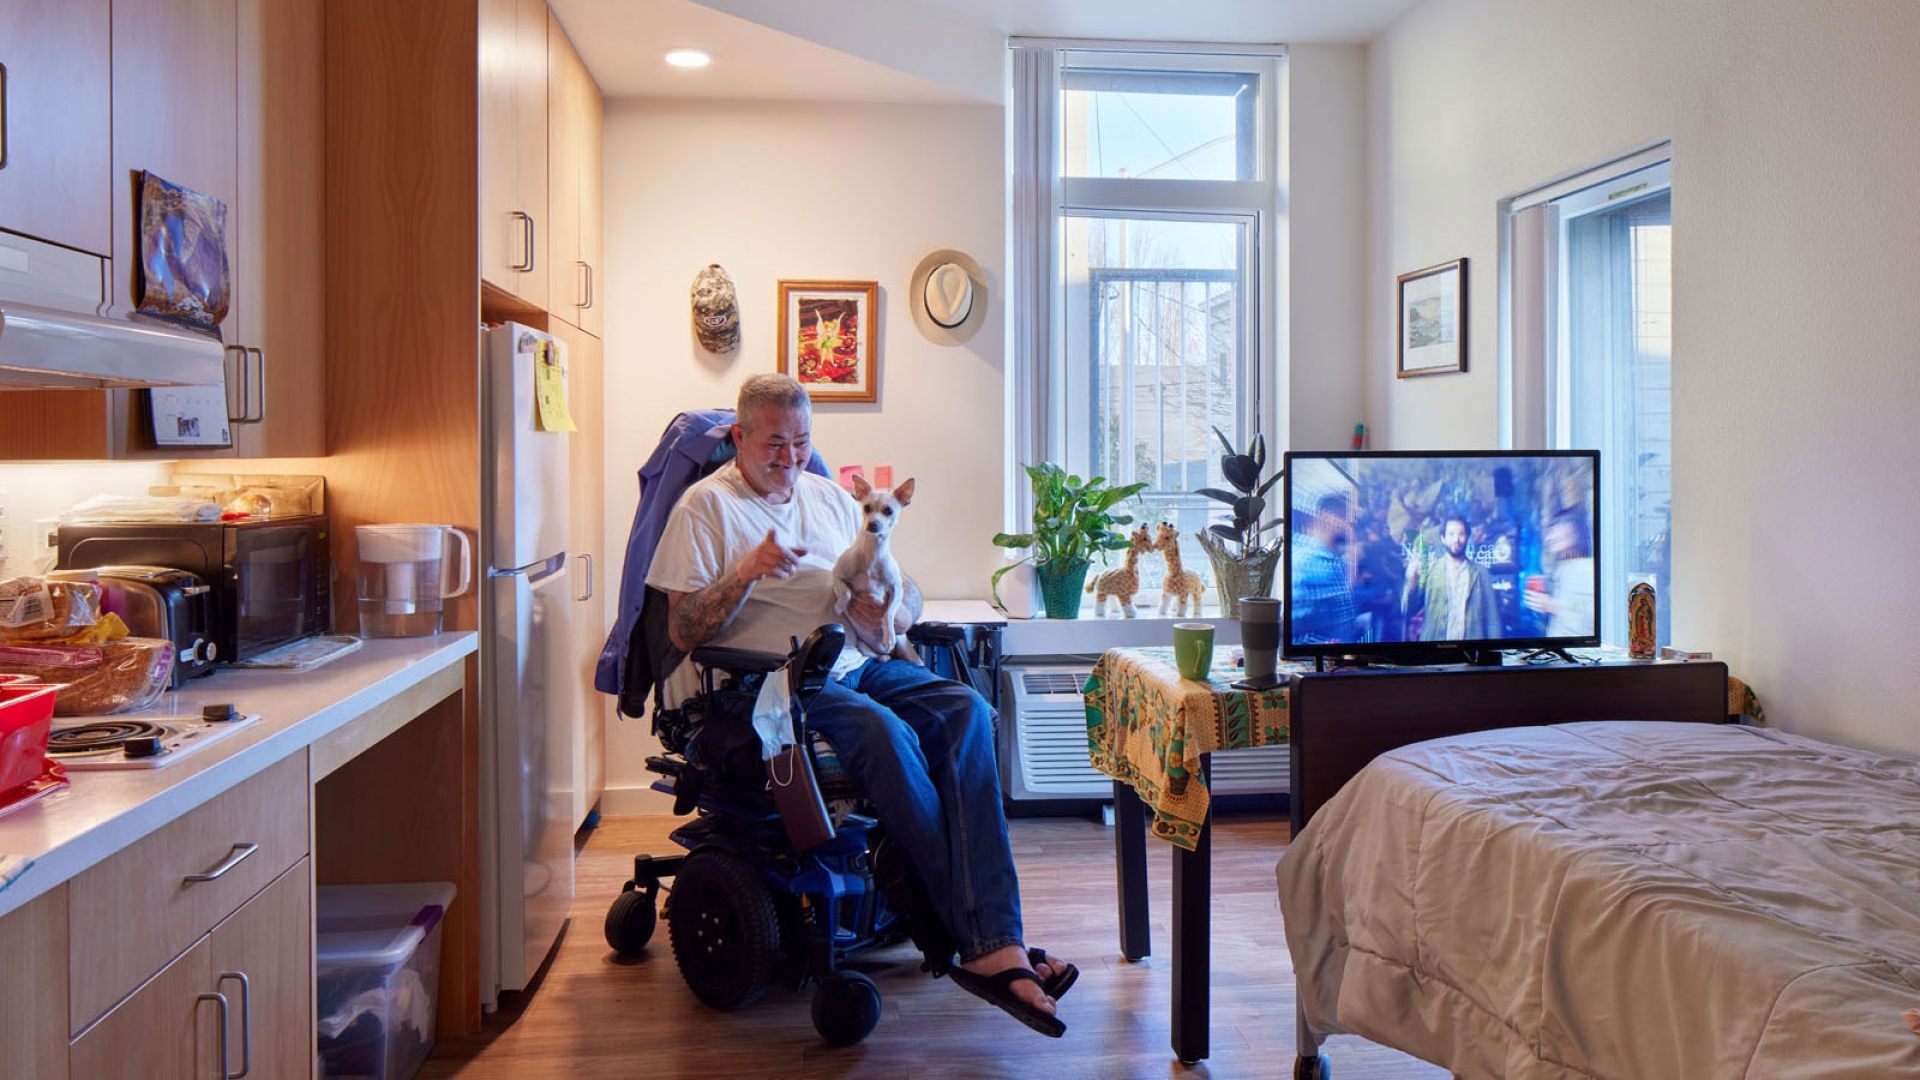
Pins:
x: 1323, y: 292
x: 1795, y: 396
x: 31, y: 493
x: 775, y: 191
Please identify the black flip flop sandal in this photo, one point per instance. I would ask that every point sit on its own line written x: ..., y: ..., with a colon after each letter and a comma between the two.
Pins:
x: 997, y: 989
x: 1056, y: 985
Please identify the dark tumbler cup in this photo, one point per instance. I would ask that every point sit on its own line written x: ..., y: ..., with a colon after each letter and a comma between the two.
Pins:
x: 1260, y: 636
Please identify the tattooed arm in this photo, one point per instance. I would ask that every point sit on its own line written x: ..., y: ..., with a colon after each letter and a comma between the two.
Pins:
x: 695, y: 618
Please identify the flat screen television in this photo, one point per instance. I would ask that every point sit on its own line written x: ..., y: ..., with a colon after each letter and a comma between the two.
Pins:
x: 1440, y: 557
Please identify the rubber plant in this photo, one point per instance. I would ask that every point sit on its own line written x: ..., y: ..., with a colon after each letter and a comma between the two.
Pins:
x: 1246, y: 568
x: 1073, y: 520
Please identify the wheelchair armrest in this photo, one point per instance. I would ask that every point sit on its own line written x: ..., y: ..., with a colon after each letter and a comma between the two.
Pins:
x: 936, y: 633
x: 738, y: 661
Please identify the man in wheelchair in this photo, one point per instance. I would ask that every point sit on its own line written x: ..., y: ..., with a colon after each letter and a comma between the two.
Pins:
x: 745, y: 562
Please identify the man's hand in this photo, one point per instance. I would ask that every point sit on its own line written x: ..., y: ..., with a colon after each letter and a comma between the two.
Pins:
x: 769, y: 558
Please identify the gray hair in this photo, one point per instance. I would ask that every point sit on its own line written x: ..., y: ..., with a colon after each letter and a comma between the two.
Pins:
x: 769, y: 391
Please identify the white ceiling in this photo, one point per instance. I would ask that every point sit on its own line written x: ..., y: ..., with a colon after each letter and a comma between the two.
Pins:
x: 622, y: 41
x: 1255, y: 21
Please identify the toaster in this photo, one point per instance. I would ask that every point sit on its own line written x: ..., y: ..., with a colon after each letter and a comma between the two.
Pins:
x: 161, y: 602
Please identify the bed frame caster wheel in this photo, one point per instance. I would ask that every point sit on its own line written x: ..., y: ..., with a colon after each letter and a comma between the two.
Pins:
x: 1312, y: 1068
x: 846, y: 1006
x: 631, y: 920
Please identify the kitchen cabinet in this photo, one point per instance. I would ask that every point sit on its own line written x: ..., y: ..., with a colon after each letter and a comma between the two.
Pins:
x: 33, y: 988
x: 270, y: 940
x: 165, y: 1030
x: 146, y: 904
x: 225, y: 97
x: 56, y: 179
x: 573, y: 189
x: 586, y: 539
x: 280, y: 236
x: 175, y: 88
x: 259, y: 960
x: 514, y: 228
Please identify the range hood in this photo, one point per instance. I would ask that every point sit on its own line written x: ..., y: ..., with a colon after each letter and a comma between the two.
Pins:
x: 46, y: 349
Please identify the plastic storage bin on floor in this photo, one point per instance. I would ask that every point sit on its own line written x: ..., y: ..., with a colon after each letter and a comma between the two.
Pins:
x: 378, y: 957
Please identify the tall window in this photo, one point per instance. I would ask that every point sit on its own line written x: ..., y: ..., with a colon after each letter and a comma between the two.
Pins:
x: 1591, y: 322
x: 1155, y: 192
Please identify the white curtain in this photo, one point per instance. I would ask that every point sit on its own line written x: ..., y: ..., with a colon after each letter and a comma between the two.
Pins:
x: 1036, y: 94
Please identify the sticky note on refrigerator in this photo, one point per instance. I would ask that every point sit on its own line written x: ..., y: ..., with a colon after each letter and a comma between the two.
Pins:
x: 550, y: 389
x: 883, y: 476
x: 847, y: 473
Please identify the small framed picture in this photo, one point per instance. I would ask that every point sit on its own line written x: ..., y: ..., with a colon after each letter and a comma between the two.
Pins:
x: 827, y: 338
x: 190, y: 416
x: 1433, y: 320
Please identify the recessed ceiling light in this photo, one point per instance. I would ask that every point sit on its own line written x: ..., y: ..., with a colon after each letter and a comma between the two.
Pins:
x: 688, y: 58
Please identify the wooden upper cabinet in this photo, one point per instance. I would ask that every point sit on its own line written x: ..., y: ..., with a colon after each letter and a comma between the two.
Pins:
x: 56, y: 180
x: 591, y: 244
x: 280, y: 271
x: 175, y: 92
x: 514, y: 226
x: 565, y: 284
x: 573, y: 149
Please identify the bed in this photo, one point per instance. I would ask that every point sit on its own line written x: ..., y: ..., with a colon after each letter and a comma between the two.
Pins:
x: 1608, y: 898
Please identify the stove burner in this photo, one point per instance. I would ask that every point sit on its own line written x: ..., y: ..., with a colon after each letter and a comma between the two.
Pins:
x: 107, y: 735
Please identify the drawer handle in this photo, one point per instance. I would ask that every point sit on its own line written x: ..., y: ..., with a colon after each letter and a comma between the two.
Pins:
x: 221, y: 1001
x: 234, y: 858
x: 3, y: 116
x: 246, y: 1023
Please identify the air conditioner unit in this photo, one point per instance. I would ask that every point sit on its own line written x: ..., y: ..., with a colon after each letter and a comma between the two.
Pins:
x: 1043, y: 743
x: 1043, y: 736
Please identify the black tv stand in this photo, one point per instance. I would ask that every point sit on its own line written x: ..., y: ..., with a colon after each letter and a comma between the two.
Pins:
x: 1564, y: 656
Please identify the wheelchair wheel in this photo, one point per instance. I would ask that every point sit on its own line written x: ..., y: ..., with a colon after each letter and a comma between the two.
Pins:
x: 725, y: 935
x: 630, y: 922
x: 846, y: 1006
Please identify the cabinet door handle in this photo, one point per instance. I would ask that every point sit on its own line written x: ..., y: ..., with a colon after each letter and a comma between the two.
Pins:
x: 586, y: 286
x: 234, y: 858
x: 221, y: 1001
x: 246, y: 1023
x: 3, y: 116
x: 237, y: 375
x: 588, y: 559
x: 532, y: 233
x: 525, y: 265
x: 257, y: 387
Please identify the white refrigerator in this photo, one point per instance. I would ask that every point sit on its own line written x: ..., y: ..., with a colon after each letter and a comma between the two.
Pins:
x: 529, y: 693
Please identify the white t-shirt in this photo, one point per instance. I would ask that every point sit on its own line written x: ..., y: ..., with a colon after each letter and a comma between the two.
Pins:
x: 721, y: 518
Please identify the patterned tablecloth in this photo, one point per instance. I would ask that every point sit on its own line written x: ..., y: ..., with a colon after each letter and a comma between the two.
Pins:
x: 1147, y: 727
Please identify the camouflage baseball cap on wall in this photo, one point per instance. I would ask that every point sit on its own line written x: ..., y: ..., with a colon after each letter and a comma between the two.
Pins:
x: 716, y: 312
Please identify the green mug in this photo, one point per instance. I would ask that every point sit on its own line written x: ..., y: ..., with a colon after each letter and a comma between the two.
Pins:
x: 1193, y: 648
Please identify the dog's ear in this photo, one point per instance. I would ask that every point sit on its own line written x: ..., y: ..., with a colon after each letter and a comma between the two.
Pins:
x: 861, y: 489
x: 904, y: 493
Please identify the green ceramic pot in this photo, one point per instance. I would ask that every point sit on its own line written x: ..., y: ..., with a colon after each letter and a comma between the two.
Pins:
x: 1060, y: 587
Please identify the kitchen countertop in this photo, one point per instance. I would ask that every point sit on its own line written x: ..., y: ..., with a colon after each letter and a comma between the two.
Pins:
x: 100, y: 812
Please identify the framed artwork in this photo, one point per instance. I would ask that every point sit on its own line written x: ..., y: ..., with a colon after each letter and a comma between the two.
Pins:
x: 827, y: 337
x: 1433, y: 320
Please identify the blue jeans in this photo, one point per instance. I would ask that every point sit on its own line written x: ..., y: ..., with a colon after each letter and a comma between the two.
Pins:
x: 922, y: 747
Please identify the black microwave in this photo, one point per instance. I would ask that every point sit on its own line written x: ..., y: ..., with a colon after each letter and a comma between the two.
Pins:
x: 270, y: 580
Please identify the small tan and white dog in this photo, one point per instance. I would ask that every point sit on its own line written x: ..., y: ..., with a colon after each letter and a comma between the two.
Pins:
x: 867, y: 569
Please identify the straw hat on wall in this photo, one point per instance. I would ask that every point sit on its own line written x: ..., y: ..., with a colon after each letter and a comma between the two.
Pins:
x: 948, y: 297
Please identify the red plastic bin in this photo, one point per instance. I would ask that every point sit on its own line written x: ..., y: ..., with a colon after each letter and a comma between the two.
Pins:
x: 26, y: 718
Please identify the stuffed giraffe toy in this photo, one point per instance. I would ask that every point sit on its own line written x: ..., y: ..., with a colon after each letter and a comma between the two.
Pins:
x: 1180, y: 585
x: 1122, y: 582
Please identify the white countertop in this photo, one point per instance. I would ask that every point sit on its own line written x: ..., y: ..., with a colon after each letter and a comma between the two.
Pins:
x: 101, y: 811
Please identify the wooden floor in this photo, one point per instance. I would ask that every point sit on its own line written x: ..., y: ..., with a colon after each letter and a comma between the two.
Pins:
x: 593, y: 1015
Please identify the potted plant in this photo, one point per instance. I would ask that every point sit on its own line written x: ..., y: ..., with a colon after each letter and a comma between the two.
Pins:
x: 1244, y: 550
x: 1073, y: 520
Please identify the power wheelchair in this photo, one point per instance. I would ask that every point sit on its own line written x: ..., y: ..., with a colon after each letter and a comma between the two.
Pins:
x: 745, y: 910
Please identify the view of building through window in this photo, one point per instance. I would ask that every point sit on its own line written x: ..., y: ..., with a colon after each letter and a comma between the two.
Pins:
x: 1157, y: 312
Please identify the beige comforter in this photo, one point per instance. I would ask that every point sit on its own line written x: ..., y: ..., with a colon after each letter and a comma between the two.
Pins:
x: 1617, y: 900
